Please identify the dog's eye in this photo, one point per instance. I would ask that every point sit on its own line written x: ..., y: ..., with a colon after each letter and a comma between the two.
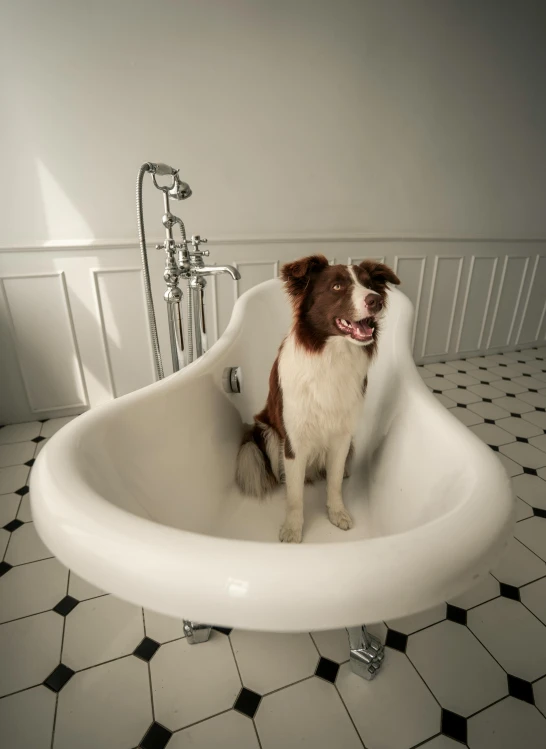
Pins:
x: 336, y: 287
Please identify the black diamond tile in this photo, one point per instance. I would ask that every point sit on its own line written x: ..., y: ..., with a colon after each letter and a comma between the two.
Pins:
x: 38, y: 439
x: 521, y: 361
x: 13, y: 525
x: 526, y: 375
x: 489, y: 421
x: 30, y: 462
x: 532, y: 390
x: 538, y: 408
x: 516, y: 416
x: 66, y: 605
x: 503, y: 365
x: 539, y: 512
x: 59, y: 677
x: 157, y: 737
x: 509, y: 591
x: 461, y: 371
x: 520, y: 689
x: 461, y: 387
x: 4, y: 567
x: 487, y: 400
x: 510, y: 395
x: 247, y: 702
x: 147, y: 649
x: 455, y: 614
x: 484, y: 369
x: 494, y: 447
x: 43, y: 421
x: 439, y: 375
x: 461, y: 405
x: 505, y: 378
x: 437, y: 391
x: 396, y: 640
x: 522, y: 439
x: 530, y: 471
x: 22, y: 491
x: 454, y: 726
x: 484, y: 382
x: 223, y: 630
x: 327, y: 670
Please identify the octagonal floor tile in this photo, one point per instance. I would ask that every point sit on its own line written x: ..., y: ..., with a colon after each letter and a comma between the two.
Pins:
x: 213, y: 686
x: 531, y: 489
x: 106, y: 706
x: 409, y: 624
x: 491, y: 434
x: 230, y: 730
x: 457, y: 668
x: 534, y: 597
x: 396, y: 691
x: 308, y: 714
x: 332, y: 644
x: 485, y: 590
x: 29, y: 651
x: 26, y: 719
x: 532, y: 533
x: 515, y: 638
x: 26, y: 546
x: 31, y: 588
x: 99, y: 630
x: 13, y: 478
x: 507, y: 725
x: 269, y: 661
x: 518, y: 565
x: 518, y: 427
x: 513, y: 405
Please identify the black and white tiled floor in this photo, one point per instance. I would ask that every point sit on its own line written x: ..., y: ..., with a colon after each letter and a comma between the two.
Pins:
x: 79, y: 668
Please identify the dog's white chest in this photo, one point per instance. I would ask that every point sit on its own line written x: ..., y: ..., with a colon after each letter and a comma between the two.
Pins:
x: 322, y: 392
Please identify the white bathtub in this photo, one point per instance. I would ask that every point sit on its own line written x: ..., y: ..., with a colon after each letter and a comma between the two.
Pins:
x: 138, y: 498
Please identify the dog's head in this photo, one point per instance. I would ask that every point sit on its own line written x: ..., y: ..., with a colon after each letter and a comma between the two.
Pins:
x: 337, y: 300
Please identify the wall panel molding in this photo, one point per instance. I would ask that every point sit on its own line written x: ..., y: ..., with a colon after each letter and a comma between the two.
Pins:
x: 459, y: 266
x: 473, y: 259
x: 122, y: 379
x: 507, y: 301
x: 77, y: 245
x: 471, y: 295
x: 39, y: 355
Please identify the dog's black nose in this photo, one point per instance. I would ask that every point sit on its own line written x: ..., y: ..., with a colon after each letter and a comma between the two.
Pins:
x: 374, y: 302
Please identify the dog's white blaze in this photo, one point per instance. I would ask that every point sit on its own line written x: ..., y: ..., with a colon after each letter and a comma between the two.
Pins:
x: 359, y: 294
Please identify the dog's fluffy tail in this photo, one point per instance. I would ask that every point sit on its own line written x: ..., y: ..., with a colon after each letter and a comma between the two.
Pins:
x: 254, y: 474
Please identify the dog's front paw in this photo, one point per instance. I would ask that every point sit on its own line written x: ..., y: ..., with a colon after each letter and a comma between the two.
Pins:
x: 291, y: 534
x: 341, y: 518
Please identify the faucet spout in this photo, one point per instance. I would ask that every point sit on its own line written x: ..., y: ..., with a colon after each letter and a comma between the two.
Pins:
x: 216, y: 270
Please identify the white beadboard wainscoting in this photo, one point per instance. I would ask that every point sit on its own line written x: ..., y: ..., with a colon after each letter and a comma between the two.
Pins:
x: 74, y: 331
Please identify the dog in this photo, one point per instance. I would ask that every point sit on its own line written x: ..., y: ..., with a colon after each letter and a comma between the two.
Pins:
x: 316, y: 385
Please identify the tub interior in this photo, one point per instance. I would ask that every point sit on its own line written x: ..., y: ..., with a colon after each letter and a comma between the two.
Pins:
x: 170, y: 456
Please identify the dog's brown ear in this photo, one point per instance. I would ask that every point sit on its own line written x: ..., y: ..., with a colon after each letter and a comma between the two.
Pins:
x: 380, y: 272
x: 296, y: 275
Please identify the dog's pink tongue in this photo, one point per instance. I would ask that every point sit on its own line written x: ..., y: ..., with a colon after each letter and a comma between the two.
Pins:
x: 362, y: 330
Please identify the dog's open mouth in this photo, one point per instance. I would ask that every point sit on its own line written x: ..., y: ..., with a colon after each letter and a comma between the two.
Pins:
x: 362, y: 330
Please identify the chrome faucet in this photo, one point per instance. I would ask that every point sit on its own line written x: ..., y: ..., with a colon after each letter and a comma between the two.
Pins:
x: 180, y: 262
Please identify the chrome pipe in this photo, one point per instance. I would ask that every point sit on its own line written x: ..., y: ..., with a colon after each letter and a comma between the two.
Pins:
x: 158, y: 365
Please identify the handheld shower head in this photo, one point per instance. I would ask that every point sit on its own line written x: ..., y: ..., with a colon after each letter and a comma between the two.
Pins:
x: 180, y: 190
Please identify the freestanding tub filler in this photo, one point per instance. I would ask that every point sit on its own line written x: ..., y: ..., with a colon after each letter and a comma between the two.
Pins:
x: 138, y: 496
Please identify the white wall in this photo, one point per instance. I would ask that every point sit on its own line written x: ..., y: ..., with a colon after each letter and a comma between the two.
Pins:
x: 417, y: 122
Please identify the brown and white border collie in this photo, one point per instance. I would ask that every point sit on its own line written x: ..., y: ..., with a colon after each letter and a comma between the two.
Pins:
x: 316, y: 386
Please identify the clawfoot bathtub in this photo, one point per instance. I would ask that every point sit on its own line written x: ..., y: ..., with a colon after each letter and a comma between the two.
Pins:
x: 138, y: 496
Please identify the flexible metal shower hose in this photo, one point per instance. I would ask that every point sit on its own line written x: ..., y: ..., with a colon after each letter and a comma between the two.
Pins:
x: 146, y: 272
